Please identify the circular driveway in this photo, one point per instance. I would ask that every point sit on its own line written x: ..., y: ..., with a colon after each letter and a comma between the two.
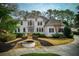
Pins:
x: 71, y: 49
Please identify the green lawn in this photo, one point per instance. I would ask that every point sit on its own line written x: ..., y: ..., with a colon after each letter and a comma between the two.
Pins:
x: 40, y: 54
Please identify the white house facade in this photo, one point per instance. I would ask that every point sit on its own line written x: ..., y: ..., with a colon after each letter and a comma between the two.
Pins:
x: 40, y: 25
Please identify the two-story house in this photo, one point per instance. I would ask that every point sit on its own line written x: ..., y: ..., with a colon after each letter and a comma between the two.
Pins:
x: 40, y: 25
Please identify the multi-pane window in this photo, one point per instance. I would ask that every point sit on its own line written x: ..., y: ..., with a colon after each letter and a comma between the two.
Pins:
x: 40, y: 23
x: 18, y: 29
x: 39, y: 29
x: 60, y: 30
x: 51, y: 29
x: 21, y: 22
x: 24, y: 30
x: 30, y: 23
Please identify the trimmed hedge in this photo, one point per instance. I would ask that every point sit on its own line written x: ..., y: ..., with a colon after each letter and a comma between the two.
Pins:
x: 58, y: 35
x: 4, y: 37
x: 75, y: 33
x: 67, y: 32
x: 19, y: 35
x: 39, y: 34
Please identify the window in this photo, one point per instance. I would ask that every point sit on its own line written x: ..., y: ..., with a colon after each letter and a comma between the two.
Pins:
x: 60, y: 30
x: 39, y: 29
x: 30, y: 23
x: 51, y: 29
x: 21, y: 22
x: 24, y: 30
x: 42, y: 29
x: 40, y: 23
x: 18, y: 30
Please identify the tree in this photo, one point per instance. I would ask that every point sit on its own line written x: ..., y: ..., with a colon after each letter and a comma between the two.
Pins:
x: 35, y: 14
x: 6, y: 21
x: 69, y: 15
x: 76, y: 20
x: 66, y: 15
x: 49, y: 13
x: 6, y: 9
x: 26, y: 15
x: 67, y: 32
x: 55, y: 13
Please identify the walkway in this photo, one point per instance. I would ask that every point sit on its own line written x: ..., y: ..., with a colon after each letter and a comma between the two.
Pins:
x: 71, y: 49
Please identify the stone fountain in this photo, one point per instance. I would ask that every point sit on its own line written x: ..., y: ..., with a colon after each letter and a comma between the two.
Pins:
x: 29, y: 42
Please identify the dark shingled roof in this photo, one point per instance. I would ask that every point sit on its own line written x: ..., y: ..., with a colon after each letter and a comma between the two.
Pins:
x: 49, y: 22
x: 44, y: 18
x: 54, y: 22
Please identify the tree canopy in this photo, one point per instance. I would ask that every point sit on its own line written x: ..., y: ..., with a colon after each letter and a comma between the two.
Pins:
x: 6, y: 21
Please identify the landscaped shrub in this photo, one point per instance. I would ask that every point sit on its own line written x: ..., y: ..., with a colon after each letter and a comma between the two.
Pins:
x: 67, y: 32
x: 57, y: 35
x: 24, y: 37
x: 10, y: 37
x: 75, y: 33
x: 4, y: 37
x: 78, y: 29
x: 39, y: 34
x: 19, y: 35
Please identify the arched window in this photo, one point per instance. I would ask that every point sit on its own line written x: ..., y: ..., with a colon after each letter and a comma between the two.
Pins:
x: 18, y: 29
x: 24, y: 30
x: 39, y: 29
x: 42, y: 29
x: 21, y: 22
x: 39, y: 23
x: 30, y: 23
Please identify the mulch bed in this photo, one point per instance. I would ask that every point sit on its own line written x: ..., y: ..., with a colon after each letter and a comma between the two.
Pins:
x: 45, y: 43
x: 5, y: 47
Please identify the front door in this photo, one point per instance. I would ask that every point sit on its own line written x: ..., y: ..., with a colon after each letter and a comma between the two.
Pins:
x: 30, y: 26
x: 30, y: 29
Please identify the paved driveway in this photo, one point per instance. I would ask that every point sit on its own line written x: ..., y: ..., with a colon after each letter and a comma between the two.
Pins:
x: 71, y: 49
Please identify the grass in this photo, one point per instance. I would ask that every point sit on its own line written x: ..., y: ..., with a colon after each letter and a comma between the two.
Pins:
x: 40, y: 54
x: 55, y: 41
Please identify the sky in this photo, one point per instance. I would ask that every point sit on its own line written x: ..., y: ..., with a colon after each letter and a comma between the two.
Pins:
x: 45, y: 6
